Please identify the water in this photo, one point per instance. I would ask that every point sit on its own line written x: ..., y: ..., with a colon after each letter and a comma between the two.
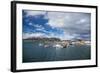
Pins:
x: 33, y: 52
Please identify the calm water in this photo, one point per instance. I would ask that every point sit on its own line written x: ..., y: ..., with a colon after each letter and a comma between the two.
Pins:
x: 32, y: 52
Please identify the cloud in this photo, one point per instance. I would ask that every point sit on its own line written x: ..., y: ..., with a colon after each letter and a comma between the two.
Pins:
x: 81, y: 21
x: 64, y: 25
x: 38, y: 34
x: 29, y: 35
x: 38, y: 28
x: 72, y: 23
x: 33, y: 13
x: 56, y: 19
x: 68, y: 19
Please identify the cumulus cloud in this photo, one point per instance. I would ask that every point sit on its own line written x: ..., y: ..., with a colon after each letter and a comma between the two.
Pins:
x: 71, y: 24
x: 56, y: 19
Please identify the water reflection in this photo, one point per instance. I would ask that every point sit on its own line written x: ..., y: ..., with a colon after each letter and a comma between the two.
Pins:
x: 35, y: 52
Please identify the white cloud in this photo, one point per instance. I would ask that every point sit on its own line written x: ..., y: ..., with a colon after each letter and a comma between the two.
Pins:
x: 37, y: 26
x: 56, y: 22
x: 33, y: 13
x: 30, y: 24
x: 29, y: 35
x: 81, y: 21
x: 56, y: 19
x: 63, y: 37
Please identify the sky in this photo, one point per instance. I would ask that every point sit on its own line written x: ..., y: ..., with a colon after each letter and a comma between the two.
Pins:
x: 63, y: 25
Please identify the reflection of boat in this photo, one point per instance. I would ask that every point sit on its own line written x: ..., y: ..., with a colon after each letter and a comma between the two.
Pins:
x: 40, y: 44
x: 57, y: 46
x: 46, y: 46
